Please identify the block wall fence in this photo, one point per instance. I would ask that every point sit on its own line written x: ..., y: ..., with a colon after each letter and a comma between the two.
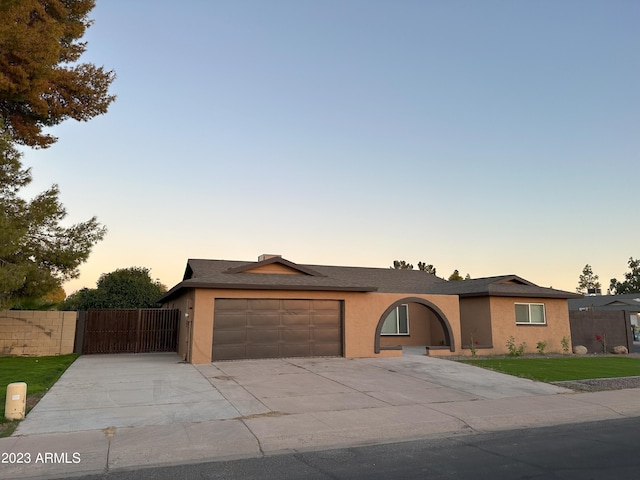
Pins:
x: 36, y: 333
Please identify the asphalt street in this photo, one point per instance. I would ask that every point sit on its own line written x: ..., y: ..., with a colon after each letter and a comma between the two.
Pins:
x: 594, y: 450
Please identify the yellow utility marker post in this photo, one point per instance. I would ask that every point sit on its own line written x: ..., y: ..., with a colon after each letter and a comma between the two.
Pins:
x: 16, y: 401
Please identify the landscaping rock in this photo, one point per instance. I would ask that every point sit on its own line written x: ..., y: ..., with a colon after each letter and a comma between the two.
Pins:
x: 600, y: 384
x: 620, y: 350
x: 580, y: 350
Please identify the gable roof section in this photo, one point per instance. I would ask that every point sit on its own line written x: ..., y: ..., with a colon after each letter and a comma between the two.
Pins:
x: 248, y: 267
x: 229, y: 274
x: 500, y: 286
x: 629, y: 302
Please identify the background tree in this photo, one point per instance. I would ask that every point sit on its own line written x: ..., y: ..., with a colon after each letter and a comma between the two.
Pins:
x: 455, y: 276
x: 123, y: 288
x: 401, y: 265
x: 427, y: 268
x: 37, y: 253
x: 42, y: 82
x: 49, y: 301
x: 587, y: 280
x: 631, y: 284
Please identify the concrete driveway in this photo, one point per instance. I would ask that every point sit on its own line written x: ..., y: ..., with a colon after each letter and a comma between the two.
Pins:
x: 127, y: 411
x: 100, y: 391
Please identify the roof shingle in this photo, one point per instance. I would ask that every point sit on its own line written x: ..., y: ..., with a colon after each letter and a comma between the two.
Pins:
x: 225, y: 274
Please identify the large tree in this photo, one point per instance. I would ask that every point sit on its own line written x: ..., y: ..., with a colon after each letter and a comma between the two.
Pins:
x: 587, y: 280
x: 631, y: 283
x: 37, y: 252
x: 42, y: 82
x: 123, y: 288
x: 49, y: 301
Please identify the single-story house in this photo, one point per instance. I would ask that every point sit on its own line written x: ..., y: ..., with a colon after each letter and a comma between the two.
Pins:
x: 276, y: 308
x: 629, y: 302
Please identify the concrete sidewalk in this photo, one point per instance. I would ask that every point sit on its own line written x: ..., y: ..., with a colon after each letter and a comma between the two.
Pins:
x: 125, y: 411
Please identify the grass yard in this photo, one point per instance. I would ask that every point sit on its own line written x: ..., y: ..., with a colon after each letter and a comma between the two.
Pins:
x: 40, y: 373
x: 562, y: 368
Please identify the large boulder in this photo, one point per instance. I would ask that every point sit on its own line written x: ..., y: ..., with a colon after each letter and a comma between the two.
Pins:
x: 580, y: 350
x: 620, y: 350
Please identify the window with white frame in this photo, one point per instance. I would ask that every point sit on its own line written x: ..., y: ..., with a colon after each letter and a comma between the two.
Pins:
x: 530, y: 314
x: 397, y: 322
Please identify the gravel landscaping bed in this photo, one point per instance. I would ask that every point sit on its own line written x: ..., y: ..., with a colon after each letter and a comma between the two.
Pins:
x: 600, y: 384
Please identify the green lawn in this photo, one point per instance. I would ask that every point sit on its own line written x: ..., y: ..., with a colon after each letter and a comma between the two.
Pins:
x: 562, y: 368
x: 40, y: 373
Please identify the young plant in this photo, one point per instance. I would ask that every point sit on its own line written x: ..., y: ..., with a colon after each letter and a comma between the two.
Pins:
x: 541, y: 345
x: 513, y: 350
x: 603, y: 341
x: 521, y: 349
x: 474, y: 342
x: 565, y: 345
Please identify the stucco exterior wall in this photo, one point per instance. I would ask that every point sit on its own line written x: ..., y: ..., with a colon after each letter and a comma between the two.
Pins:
x: 504, y: 325
x: 475, y: 319
x: 275, y: 268
x: 36, y: 333
x: 185, y: 304
x: 362, y: 312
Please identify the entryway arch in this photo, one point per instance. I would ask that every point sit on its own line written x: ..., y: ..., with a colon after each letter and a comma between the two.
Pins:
x: 438, y: 314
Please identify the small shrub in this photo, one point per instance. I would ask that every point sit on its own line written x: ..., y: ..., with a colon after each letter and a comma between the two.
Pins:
x: 541, y: 345
x: 513, y: 350
x: 603, y: 341
x: 565, y: 345
x: 473, y: 346
x: 521, y: 349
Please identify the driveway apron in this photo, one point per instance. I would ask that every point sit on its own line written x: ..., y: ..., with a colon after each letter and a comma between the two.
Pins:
x: 127, y: 390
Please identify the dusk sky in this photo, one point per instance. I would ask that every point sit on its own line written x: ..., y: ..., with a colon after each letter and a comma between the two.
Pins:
x: 492, y: 137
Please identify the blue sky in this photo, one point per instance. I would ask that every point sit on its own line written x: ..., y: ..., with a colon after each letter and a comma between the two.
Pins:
x: 491, y: 137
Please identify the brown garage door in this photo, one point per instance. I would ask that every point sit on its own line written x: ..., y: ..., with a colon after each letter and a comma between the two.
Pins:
x: 273, y: 328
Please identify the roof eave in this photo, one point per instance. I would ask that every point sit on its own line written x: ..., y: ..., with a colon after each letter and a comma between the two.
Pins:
x: 565, y: 295
x: 248, y: 286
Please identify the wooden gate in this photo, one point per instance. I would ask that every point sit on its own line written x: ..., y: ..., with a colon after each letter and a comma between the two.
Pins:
x: 127, y: 331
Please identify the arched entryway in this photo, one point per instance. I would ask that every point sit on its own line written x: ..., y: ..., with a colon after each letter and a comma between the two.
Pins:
x: 432, y: 327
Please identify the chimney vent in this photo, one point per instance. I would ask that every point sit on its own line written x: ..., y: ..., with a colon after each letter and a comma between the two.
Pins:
x: 267, y: 256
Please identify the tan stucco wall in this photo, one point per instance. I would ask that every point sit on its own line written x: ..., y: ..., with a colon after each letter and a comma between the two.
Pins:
x: 185, y: 304
x: 36, y: 333
x: 475, y: 319
x: 362, y: 311
x: 504, y: 325
x: 275, y: 268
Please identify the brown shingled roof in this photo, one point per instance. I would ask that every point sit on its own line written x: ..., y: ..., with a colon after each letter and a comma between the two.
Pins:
x: 500, y: 286
x: 237, y: 274
x: 223, y: 274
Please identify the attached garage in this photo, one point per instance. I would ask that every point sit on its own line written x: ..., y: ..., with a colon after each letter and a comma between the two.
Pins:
x: 249, y: 328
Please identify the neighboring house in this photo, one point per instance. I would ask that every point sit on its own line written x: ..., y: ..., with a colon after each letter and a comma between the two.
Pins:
x: 629, y: 302
x: 275, y: 308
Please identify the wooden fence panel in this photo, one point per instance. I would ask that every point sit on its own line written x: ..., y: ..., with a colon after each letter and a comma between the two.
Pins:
x: 615, y: 326
x: 130, y: 331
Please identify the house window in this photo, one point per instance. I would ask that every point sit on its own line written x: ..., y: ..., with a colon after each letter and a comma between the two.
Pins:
x: 397, y: 323
x: 530, y: 314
